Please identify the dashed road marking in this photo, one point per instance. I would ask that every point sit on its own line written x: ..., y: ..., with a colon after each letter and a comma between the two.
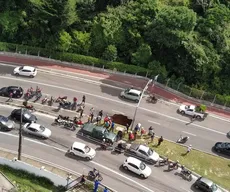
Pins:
x: 154, y: 122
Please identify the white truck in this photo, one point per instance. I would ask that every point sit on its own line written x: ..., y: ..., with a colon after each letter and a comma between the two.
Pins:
x: 192, y: 110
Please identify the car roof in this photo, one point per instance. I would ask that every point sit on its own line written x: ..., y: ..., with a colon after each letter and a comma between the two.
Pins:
x: 191, y: 106
x: 206, y: 181
x: 28, y: 68
x: 135, y: 91
x: 34, y: 126
x: 133, y: 160
x: 79, y: 145
x: 143, y: 148
x: 14, y: 87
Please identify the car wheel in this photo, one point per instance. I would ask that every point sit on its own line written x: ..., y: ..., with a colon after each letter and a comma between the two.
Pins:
x: 182, y: 112
x: 196, y: 186
x: 17, y: 74
x: 87, y: 158
x: 152, y: 162
x: 142, y: 176
x: 198, y: 117
x: 71, y: 153
x: 126, y: 168
x: 136, y: 100
x: 31, y: 76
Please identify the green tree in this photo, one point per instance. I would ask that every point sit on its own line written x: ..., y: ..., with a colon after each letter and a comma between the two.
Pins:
x: 64, y: 41
x: 110, y: 53
x: 142, y: 56
x: 80, y: 42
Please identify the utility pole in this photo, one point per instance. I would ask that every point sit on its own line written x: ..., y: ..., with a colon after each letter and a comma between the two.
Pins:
x: 142, y: 94
x: 20, y: 138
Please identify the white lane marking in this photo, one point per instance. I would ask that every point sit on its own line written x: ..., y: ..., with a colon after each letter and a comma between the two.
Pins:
x: 121, y: 175
x: 34, y: 141
x: 220, y: 118
x: 154, y: 122
x: 54, y: 86
x: 118, y: 112
x: 193, y: 124
x: 9, y: 134
x: 189, y: 133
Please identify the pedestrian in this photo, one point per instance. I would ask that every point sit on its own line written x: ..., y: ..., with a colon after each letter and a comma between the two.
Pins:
x: 89, y: 118
x: 160, y: 140
x: 131, y: 136
x: 152, y: 137
x: 112, y: 126
x: 10, y: 96
x: 82, y: 181
x: 127, y: 128
x: 83, y: 99
x: 189, y: 148
x: 142, y: 131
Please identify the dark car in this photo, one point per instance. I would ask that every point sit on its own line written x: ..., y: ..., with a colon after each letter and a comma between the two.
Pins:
x: 228, y: 134
x: 206, y: 185
x: 222, y: 147
x: 17, y: 91
x: 6, y: 124
x: 27, y: 116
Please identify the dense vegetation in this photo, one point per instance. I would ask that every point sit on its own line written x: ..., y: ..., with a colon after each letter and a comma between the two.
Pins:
x: 181, y: 39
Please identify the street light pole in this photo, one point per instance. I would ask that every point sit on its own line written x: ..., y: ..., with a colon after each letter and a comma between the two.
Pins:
x: 142, y: 94
x: 20, y: 138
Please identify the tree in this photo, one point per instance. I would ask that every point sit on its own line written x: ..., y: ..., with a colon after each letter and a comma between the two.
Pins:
x: 110, y: 53
x: 64, y: 41
x: 80, y: 42
x: 142, y: 56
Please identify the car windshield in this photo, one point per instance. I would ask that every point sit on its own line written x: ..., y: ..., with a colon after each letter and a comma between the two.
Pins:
x: 87, y: 149
x: 4, y: 120
x: 150, y: 152
x: 127, y: 90
x: 27, y: 115
x: 214, y: 187
x: 20, y: 68
x: 187, y: 107
x: 142, y: 166
x: 42, y: 128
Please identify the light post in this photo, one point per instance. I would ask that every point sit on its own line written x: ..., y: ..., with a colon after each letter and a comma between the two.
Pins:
x: 20, y: 138
x: 139, y: 102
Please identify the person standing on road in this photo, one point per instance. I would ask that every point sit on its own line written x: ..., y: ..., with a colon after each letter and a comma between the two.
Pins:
x: 127, y: 128
x: 83, y: 99
x: 112, y: 126
x: 160, y: 140
x: 152, y: 137
x: 10, y: 97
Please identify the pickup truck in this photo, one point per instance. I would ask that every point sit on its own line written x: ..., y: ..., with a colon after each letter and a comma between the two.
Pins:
x: 143, y: 152
x: 97, y: 132
x: 192, y: 110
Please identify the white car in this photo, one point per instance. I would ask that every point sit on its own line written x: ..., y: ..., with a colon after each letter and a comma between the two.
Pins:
x: 25, y: 71
x: 82, y: 150
x: 37, y: 130
x: 137, y: 166
x: 131, y: 94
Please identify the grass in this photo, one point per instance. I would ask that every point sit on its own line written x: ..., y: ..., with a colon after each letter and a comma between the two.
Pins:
x: 25, y: 181
x: 215, y: 168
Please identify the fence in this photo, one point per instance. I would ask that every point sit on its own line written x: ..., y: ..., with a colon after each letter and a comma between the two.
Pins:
x: 200, y: 95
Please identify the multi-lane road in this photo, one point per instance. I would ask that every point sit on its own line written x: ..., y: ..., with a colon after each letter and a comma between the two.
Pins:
x: 162, y: 116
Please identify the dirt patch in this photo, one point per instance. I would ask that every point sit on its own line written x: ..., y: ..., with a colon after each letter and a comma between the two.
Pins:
x: 121, y: 119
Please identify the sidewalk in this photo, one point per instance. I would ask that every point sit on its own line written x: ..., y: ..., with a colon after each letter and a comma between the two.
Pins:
x: 104, y: 77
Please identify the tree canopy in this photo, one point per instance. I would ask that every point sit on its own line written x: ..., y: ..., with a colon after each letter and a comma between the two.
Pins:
x: 183, y: 39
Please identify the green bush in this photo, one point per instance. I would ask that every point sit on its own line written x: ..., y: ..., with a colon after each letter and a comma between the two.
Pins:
x: 196, y: 93
x: 42, y: 181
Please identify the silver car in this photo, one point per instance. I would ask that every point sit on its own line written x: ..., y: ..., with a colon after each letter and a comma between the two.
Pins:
x: 6, y: 124
x: 131, y: 94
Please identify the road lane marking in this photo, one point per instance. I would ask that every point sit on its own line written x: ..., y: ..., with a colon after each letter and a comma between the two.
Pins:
x: 193, y: 124
x: 54, y: 86
x: 118, y: 112
x: 189, y: 133
x: 121, y: 175
x: 154, y: 122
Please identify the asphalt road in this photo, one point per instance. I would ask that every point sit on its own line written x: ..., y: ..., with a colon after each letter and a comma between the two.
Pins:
x: 53, y: 150
x: 162, y: 116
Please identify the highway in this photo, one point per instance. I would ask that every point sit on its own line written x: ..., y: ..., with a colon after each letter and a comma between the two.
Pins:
x: 54, y: 150
x: 162, y: 116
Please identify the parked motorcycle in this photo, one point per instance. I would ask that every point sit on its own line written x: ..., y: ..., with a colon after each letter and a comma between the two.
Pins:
x: 65, y: 105
x: 70, y: 125
x: 163, y: 162
x: 60, y: 99
x: 186, y: 174
x: 95, y: 175
x: 173, y: 165
x: 44, y: 100
x: 38, y: 96
x: 183, y: 139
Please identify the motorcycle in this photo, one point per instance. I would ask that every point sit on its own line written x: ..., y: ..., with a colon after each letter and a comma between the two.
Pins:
x: 95, y: 175
x: 162, y: 162
x: 70, y: 125
x: 186, y: 174
x: 152, y: 99
x: 60, y: 120
x: 183, y: 139
x: 60, y: 99
x: 173, y: 165
x: 65, y: 105
x: 51, y: 101
x: 44, y: 101
x: 29, y: 95
x: 121, y: 147
x: 38, y: 96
